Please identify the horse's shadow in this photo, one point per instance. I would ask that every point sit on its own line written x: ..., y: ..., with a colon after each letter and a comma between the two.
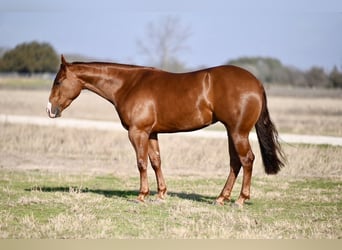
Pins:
x: 126, y: 194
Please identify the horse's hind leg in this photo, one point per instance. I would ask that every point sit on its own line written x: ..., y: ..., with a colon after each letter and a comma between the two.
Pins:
x: 235, y: 166
x: 246, y: 157
x: 154, y: 155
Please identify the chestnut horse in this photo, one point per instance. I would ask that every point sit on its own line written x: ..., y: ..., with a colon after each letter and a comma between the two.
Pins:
x: 151, y: 101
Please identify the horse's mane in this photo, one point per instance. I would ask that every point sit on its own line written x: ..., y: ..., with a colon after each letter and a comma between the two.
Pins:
x: 117, y: 65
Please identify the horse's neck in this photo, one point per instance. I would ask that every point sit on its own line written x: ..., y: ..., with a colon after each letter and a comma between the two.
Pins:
x: 104, y: 79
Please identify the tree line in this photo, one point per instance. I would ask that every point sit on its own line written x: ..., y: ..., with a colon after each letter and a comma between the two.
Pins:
x: 30, y: 58
x: 272, y: 71
x: 34, y: 57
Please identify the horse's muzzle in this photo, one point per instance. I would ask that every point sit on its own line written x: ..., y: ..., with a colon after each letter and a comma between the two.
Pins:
x: 52, y: 112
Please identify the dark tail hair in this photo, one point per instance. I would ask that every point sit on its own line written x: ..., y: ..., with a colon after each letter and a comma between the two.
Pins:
x: 271, y: 152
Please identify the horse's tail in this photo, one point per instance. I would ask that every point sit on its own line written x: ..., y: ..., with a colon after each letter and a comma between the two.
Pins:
x: 271, y: 152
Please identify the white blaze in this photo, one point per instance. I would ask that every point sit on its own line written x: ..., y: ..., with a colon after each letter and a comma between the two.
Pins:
x: 48, y: 110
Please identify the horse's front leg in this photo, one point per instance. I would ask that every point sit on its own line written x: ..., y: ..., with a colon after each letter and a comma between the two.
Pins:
x: 139, y: 140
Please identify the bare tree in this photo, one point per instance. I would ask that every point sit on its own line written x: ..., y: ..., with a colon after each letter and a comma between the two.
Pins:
x: 163, y: 42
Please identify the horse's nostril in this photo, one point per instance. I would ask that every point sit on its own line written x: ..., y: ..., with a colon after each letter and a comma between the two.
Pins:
x: 49, y: 111
x: 51, y: 115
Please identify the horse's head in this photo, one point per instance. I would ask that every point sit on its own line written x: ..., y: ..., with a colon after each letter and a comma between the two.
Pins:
x: 66, y: 87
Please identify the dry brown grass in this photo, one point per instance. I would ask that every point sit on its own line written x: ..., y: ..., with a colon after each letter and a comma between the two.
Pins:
x: 29, y: 102
x: 309, y: 115
x: 91, y: 151
x: 318, y: 116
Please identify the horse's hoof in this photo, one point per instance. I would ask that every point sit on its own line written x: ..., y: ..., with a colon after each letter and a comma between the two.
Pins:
x: 218, y: 203
x: 138, y: 201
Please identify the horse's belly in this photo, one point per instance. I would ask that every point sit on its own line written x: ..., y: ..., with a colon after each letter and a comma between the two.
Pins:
x: 183, y: 121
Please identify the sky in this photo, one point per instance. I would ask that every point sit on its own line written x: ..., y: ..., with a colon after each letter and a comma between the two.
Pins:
x: 300, y: 33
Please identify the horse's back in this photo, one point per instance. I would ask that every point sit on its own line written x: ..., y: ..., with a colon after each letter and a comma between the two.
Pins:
x: 233, y: 78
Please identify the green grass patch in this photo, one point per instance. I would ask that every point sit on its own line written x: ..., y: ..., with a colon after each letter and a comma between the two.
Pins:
x: 36, y: 204
x: 25, y: 83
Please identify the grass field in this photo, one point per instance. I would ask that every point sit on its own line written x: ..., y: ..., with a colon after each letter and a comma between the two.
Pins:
x: 29, y: 83
x: 42, y: 205
x: 74, y: 183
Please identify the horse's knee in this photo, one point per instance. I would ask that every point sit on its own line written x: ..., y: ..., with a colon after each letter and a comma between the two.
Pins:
x: 142, y: 165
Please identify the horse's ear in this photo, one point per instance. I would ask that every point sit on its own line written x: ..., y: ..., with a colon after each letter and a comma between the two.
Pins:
x: 64, y: 62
